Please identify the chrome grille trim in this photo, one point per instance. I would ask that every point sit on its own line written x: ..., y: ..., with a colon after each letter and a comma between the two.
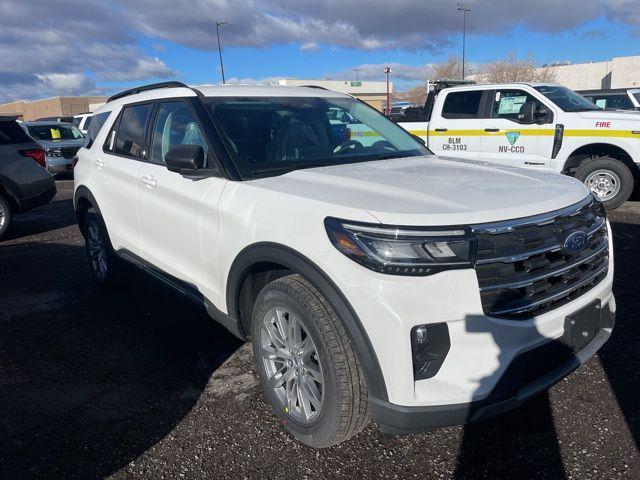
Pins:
x: 566, y: 268
x: 523, y: 268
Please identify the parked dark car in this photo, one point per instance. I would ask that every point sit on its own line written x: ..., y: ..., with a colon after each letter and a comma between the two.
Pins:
x: 61, y: 142
x: 24, y: 182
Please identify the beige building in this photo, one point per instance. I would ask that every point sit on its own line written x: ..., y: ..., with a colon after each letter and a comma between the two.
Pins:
x: 373, y: 93
x: 619, y: 72
x: 51, y: 107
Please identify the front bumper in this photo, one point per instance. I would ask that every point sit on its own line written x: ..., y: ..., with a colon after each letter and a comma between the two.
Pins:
x: 530, y: 373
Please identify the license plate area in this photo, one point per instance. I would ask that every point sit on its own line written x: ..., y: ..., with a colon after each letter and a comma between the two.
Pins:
x: 581, y: 327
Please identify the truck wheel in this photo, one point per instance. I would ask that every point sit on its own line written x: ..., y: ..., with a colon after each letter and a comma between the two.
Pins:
x: 103, y: 263
x: 5, y: 215
x: 307, y: 367
x: 610, y: 179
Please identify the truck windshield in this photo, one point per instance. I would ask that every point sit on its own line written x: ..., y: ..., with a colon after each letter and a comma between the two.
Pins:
x: 567, y: 100
x: 274, y: 135
x: 636, y: 95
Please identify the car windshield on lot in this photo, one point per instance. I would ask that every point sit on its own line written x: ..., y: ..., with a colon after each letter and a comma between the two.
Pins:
x: 54, y: 132
x: 567, y: 100
x: 273, y: 135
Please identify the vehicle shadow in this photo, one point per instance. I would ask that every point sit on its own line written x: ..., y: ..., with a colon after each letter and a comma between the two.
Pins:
x: 528, y: 446
x: 619, y: 356
x: 57, y: 214
x: 90, y: 380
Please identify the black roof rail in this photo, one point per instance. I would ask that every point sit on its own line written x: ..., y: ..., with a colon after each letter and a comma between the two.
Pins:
x: 152, y: 86
x: 314, y: 86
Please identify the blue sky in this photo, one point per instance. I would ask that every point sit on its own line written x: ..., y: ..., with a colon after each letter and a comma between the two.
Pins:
x: 90, y: 46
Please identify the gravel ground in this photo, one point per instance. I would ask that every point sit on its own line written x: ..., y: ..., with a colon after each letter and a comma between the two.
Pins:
x: 141, y: 384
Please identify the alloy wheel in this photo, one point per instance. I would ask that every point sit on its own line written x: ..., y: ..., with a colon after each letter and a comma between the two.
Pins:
x: 97, y: 250
x: 290, y: 358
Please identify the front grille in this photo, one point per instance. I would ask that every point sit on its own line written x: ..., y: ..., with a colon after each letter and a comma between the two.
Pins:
x: 69, y: 152
x: 523, y: 268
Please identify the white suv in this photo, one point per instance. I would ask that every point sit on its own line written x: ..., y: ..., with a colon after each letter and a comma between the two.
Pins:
x: 373, y: 281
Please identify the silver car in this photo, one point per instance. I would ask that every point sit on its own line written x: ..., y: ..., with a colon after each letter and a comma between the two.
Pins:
x: 61, y: 142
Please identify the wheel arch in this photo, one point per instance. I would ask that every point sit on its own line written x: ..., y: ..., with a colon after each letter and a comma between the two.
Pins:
x: 263, y: 262
x: 600, y: 149
x: 83, y: 201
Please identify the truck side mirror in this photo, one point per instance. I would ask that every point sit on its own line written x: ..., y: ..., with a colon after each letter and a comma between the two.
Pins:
x: 544, y: 116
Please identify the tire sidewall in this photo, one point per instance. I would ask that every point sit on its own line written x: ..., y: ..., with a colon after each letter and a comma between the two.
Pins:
x: 108, y: 279
x: 8, y: 216
x: 618, y: 168
x: 326, y: 423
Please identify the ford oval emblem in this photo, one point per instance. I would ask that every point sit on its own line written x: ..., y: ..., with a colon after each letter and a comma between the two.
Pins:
x: 575, y: 242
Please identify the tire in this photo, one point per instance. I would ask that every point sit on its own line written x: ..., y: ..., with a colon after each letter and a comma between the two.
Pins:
x: 608, y: 178
x: 104, y: 265
x: 341, y: 408
x: 6, y: 215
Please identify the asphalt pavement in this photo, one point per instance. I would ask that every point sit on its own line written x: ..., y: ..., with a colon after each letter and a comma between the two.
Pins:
x: 139, y: 383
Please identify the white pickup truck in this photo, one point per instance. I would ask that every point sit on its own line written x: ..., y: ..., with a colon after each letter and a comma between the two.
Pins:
x: 538, y: 126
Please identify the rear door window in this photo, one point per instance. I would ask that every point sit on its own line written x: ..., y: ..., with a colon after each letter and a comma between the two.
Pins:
x: 459, y: 105
x: 130, y: 137
x: 11, y: 132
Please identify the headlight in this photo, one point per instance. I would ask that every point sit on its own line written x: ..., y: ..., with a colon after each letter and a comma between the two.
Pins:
x: 402, y: 250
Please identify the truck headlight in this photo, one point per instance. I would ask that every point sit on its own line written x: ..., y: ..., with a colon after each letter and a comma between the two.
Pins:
x: 402, y: 250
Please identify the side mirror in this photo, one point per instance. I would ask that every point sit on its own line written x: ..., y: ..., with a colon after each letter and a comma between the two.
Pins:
x: 184, y: 157
x: 544, y: 116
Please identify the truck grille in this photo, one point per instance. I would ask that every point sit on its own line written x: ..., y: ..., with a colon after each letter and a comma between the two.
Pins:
x: 69, y: 152
x: 524, y: 269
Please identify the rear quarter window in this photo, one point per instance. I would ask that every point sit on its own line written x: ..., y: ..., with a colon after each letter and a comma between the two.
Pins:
x: 94, y: 127
x: 11, y: 132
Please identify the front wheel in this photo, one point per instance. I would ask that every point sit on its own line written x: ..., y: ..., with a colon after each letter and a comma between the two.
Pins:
x: 608, y: 178
x: 308, y: 369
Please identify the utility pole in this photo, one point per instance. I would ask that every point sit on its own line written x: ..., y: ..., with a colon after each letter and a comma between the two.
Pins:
x: 464, y: 10
x: 224, y: 22
x: 387, y: 71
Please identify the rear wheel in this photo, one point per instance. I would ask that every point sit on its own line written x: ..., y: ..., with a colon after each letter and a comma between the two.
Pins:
x: 6, y: 215
x: 103, y: 263
x: 608, y: 178
x: 306, y: 364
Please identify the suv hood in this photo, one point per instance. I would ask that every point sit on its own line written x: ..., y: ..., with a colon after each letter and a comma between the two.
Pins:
x: 611, y: 115
x: 432, y: 190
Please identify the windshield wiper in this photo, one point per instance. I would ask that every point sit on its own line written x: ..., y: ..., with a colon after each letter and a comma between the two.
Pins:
x: 286, y: 169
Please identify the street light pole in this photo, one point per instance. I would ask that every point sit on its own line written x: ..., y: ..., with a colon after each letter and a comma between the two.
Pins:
x: 387, y: 71
x: 224, y: 22
x: 357, y: 70
x: 464, y: 10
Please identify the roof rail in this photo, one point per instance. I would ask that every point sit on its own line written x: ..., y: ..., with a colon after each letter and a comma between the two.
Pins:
x: 314, y: 86
x: 152, y: 86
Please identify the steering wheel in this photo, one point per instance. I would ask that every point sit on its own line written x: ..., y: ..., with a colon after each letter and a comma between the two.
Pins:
x: 347, y: 145
x: 385, y: 145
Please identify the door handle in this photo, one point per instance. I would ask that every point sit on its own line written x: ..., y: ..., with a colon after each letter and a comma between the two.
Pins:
x: 149, y: 181
x: 99, y: 163
x: 441, y: 129
x: 492, y: 130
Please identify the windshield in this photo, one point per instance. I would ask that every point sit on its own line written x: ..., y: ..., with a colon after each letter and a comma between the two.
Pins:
x: 636, y: 95
x: 54, y: 132
x: 567, y: 100
x: 279, y: 134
